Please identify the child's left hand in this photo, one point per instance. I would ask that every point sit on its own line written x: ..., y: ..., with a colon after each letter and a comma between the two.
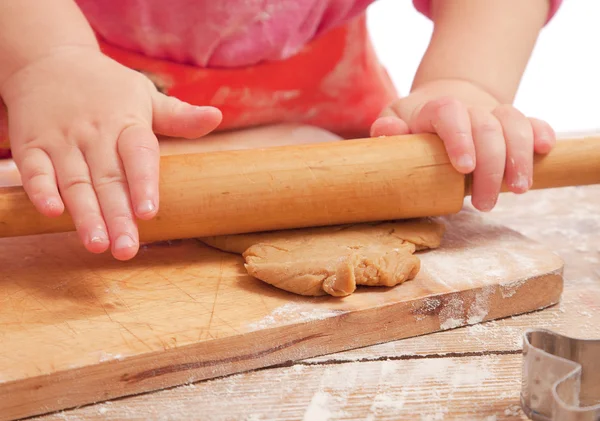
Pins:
x: 494, y: 141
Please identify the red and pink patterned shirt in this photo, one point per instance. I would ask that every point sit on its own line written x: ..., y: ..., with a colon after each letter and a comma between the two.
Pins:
x: 222, y: 33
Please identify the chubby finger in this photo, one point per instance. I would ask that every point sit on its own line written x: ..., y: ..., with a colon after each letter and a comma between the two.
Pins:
x: 450, y: 119
x: 518, y: 136
x: 75, y: 186
x: 389, y: 126
x: 175, y: 118
x: 138, y: 148
x: 490, y: 151
x: 39, y: 181
x: 544, y: 137
x: 110, y: 184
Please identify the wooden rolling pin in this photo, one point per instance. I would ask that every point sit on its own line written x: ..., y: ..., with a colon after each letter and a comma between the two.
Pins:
x: 309, y: 185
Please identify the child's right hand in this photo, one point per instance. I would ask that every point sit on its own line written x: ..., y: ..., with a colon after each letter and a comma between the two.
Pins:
x: 81, y: 128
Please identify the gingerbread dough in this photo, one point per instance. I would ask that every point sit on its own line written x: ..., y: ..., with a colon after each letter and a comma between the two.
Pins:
x: 334, y: 260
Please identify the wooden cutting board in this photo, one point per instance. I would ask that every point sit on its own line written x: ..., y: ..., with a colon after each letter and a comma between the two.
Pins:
x: 77, y: 328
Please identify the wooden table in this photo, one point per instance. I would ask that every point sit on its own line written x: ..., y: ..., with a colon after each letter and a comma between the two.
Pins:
x: 470, y: 373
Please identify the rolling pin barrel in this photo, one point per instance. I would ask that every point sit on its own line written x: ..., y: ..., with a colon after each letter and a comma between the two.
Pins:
x: 283, y: 187
x: 572, y: 162
x: 286, y: 187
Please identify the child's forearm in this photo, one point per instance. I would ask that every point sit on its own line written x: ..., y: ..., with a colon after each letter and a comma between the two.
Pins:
x: 486, y: 43
x: 31, y: 29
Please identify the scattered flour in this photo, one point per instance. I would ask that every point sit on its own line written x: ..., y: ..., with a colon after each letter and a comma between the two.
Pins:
x: 451, y: 315
x: 515, y: 258
x: 513, y: 410
x: 107, y: 356
x: 451, y: 323
x: 385, y: 401
x: 490, y: 266
x: 494, y: 330
x: 438, y: 416
x: 510, y: 289
x: 388, y: 368
x: 429, y: 305
x: 293, y: 313
x: 481, y: 306
x: 472, y: 374
x: 335, y: 388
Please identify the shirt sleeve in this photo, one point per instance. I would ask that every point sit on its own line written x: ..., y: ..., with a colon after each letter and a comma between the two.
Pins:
x: 424, y: 7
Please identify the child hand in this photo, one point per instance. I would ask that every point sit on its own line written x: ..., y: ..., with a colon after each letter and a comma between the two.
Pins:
x: 494, y: 141
x: 82, y: 135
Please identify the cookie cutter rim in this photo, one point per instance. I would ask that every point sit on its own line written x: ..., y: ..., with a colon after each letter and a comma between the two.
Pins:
x: 551, y: 376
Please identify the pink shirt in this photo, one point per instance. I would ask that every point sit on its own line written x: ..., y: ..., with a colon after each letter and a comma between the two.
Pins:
x: 222, y: 33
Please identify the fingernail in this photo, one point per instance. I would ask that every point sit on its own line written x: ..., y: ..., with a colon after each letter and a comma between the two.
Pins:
x: 98, y: 236
x: 145, y: 207
x: 465, y: 162
x: 124, y: 242
x: 522, y: 183
x: 487, y: 205
x: 53, y: 203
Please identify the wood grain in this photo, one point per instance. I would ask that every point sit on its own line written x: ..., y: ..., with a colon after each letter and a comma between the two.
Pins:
x: 295, y: 186
x: 578, y: 314
x: 565, y: 220
x: 78, y: 328
x: 481, y: 388
x: 461, y: 356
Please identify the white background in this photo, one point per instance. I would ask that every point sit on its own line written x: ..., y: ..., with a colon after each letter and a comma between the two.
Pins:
x: 561, y: 83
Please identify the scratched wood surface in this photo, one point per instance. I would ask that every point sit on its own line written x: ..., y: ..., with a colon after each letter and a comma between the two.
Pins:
x: 391, y: 390
x: 78, y: 328
x: 468, y: 373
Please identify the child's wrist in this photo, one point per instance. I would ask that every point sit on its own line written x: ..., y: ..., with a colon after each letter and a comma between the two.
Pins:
x: 467, y: 91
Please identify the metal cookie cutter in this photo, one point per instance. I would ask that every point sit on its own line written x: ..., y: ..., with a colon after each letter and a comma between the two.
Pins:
x: 561, y: 377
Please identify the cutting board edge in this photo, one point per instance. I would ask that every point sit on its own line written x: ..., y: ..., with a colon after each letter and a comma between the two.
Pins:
x: 186, y: 372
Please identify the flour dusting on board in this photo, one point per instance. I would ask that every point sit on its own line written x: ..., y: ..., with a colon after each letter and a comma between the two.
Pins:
x: 451, y: 315
x: 510, y: 289
x: 107, y: 356
x: 481, y: 306
x: 457, y: 312
x: 293, y: 313
x: 429, y: 305
x: 456, y: 264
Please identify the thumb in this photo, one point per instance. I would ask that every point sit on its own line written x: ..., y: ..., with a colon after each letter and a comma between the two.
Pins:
x: 544, y: 137
x: 175, y: 118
